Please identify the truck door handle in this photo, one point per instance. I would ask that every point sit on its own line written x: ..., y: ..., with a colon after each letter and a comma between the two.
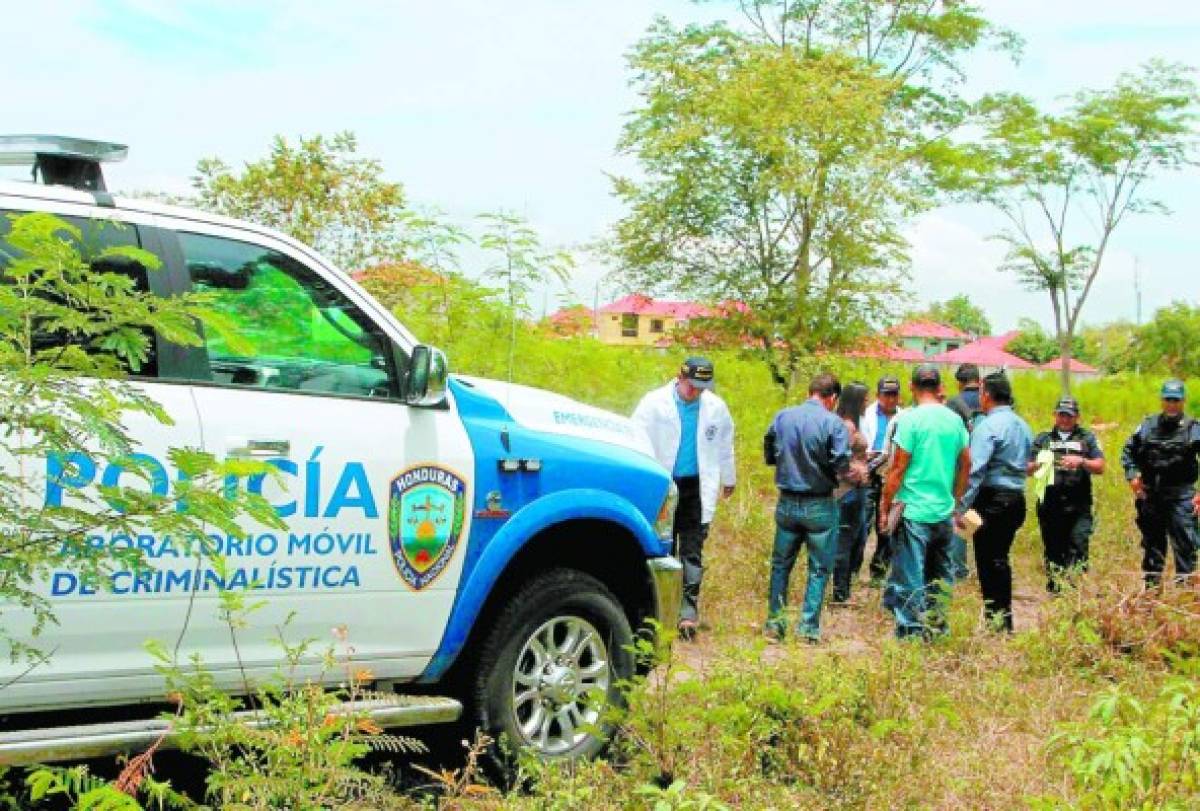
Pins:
x: 260, y: 448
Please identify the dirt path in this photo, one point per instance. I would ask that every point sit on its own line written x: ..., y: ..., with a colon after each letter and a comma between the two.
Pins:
x: 857, y: 628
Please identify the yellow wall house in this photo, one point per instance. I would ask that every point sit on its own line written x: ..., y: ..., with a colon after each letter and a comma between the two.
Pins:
x: 638, y: 320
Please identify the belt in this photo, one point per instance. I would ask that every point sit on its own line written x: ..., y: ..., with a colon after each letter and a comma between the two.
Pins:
x: 1001, y: 491
x: 805, y: 494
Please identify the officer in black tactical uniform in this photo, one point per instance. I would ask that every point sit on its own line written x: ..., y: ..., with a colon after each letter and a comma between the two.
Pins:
x: 1160, y: 464
x: 1065, y: 514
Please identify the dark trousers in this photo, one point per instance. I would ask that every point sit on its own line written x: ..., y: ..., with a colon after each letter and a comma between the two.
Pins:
x: 1003, y: 513
x: 690, y: 534
x: 881, y: 559
x: 1159, y: 516
x: 1066, y: 535
x: 852, y: 541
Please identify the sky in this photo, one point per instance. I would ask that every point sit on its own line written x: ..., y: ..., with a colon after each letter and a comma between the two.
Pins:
x: 476, y: 105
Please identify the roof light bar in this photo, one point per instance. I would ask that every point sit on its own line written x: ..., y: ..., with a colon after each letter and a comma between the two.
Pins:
x: 60, y: 160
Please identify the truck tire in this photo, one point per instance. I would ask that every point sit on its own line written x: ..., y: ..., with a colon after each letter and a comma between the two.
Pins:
x: 558, y: 646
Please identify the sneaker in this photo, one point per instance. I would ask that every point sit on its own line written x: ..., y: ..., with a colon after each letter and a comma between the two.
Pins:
x: 773, y: 635
x: 687, y: 629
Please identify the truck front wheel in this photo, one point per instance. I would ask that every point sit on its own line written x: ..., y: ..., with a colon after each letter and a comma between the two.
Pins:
x: 551, y: 665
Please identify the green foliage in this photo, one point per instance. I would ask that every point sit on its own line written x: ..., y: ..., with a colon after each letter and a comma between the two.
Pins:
x: 71, y: 325
x: 319, y: 191
x: 1172, y: 340
x: 675, y: 797
x: 300, y: 747
x: 1132, y: 753
x: 958, y: 312
x: 1066, y: 182
x: 83, y: 790
x: 780, y: 165
x: 519, y: 263
x: 1036, y: 346
x: 1113, y: 347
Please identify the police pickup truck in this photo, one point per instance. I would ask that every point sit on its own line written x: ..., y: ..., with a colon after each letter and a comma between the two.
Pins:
x: 493, y: 544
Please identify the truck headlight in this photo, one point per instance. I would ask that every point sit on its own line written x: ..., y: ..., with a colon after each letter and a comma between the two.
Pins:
x: 664, y: 525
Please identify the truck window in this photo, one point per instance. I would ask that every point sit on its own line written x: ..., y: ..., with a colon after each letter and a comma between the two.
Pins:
x: 284, y: 326
x: 96, y: 235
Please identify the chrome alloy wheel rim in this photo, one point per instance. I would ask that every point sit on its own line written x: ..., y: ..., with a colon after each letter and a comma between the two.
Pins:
x: 559, y: 672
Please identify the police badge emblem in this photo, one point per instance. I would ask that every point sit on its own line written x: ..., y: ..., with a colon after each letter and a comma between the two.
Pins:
x: 426, y: 512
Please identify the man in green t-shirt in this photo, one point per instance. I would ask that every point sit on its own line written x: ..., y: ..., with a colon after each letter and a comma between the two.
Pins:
x: 927, y: 477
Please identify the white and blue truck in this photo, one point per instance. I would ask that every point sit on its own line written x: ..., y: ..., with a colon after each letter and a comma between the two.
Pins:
x: 496, y: 545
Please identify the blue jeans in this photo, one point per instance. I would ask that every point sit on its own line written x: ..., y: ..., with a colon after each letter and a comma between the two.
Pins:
x: 811, y: 522
x: 917, y: 584
x: 852, y: 540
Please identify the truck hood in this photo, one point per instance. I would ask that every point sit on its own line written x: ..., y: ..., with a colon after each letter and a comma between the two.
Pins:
x: 541, y: 410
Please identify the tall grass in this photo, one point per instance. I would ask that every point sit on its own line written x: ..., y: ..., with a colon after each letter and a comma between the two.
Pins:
x: 973, y: 721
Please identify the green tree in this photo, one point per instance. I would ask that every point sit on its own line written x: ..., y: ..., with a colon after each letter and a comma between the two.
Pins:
x: 319, y: 191
x: 779, y: 164
x: 519, y: 264
x: 73, y: 323
x: 1172, y: 340
x: 958, y: 312
x: 1066, y: 182
x: 1112, y: 347
x: 1033, y: 343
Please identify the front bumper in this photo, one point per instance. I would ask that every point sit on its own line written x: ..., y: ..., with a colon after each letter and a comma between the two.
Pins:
x: 666, y: 576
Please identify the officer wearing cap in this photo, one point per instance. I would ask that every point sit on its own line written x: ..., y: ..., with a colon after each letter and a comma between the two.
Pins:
x: 875, y: 425
x: 1065, y: 513
x: 1160, y: 465
x: 691, y: 431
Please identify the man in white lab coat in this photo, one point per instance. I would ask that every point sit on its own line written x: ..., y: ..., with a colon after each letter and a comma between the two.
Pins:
x: 692, y: 434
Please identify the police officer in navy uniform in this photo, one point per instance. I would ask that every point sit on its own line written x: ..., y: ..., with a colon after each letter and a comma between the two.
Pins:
x: 1065, y: 514
x: 1160, y: 465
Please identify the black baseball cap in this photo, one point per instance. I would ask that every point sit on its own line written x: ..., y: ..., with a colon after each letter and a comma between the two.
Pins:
x: 927, y: 374
x: 699, y: 371
x: 967, y: 373
x: 888, y: 384
x: 1067, y: 405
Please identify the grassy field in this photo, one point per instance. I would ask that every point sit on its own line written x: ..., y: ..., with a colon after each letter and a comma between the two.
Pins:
x: 1091, y: 703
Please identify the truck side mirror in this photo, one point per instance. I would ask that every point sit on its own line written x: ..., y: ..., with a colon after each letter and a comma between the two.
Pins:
x: 428, y: 371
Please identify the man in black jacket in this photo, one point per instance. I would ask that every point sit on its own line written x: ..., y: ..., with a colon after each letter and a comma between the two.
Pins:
x: 966, y: 403
x: 1161, y: 468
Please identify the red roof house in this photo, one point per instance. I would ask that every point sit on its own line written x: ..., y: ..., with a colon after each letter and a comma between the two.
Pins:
x: 928, y: 338
x: 986, y: 352
x: 928, y: 329
x: 1078, y: 367
x: 642, y: 320
x: 880, y: 350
